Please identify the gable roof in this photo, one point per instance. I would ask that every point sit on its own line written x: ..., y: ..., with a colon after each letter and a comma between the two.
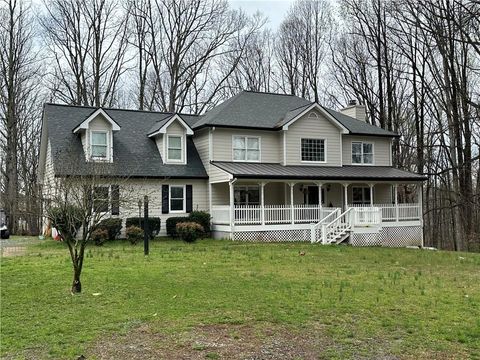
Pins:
x: 134, y: 154
x: 160, y: 127
x: 271, y: 111
x: 84, y: 124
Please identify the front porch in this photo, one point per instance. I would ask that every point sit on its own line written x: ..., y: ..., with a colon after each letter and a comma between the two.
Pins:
x: 368, y: 213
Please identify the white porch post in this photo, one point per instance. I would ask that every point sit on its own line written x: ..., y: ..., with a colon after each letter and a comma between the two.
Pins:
x: 320, y: 215
x: 292, y: 211
x: 395, y: 190
x: 420, y: 205
x: 232, y: 211
x: 345, y: 196
x: 262, y: 202
x: 371, y: 193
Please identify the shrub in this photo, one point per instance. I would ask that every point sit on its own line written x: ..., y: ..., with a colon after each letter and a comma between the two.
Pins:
x: 154, y: 224
x: 112, y: 225
x: 99, y: 236
x: 171, y: 225
x: 202, y: 218
x: 134, y: 234
x: 189, y: 231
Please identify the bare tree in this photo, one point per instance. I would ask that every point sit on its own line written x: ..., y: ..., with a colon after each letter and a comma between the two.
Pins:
x: 18, y: 85
x: 87, y: 41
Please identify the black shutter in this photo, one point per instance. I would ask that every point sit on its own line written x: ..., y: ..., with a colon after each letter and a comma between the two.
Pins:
x: 115, y: 198
x: 188, y: 198
x: 165, y: 199
x: 88, y: 196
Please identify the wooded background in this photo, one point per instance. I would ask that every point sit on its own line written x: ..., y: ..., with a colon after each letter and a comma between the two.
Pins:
x: 414, y: 65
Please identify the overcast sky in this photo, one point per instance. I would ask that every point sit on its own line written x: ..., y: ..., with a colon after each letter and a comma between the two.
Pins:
x: 275, y: 10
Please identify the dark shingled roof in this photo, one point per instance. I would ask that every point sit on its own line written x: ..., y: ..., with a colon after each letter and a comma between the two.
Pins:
x: 278, y: 171
x: 134, y: 154
x: 271, y: 111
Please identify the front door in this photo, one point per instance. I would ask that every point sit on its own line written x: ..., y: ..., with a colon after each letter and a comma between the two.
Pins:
x: 311, y: 195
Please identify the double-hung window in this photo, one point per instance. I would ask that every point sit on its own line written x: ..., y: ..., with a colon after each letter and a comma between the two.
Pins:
x: 177, y: 198
x: 313, y: 150
x: 175, y: 148
x: 361, y: 195
x: 247, y: 195
x: 99, y: 148
x: 362, y: 153
x: 246, y: 148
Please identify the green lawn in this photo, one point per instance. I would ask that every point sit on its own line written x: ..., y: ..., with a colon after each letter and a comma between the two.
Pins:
x: 336, y: 301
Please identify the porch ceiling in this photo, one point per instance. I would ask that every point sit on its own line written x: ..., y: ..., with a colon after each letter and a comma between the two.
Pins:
x: 297, y: 172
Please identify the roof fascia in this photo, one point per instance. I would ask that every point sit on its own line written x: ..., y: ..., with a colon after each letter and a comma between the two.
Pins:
x: 99, y: 111
x: 163, y: 128
x: 343, y: 129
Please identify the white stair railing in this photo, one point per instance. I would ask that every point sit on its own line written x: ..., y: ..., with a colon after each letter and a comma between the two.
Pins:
x: 316, y: 229
x: 341, y: 224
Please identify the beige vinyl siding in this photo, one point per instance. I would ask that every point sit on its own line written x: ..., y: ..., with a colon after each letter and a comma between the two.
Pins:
x: 381, y: 149
x: 313, y: 128
x: 49, y: 174
x: 270, y: 144
x: 159, y: 142
x: 382, y: 193
x: 135, y: 189
x: 175, y: 128
x: 220, y: 194
x: 201, y: 143
x: 216, y: 175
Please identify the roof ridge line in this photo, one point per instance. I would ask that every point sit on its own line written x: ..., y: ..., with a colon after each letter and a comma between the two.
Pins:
x: 120, y: 109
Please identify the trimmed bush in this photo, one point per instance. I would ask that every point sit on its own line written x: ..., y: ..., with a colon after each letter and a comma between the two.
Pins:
x: 171, y: 225
x: 154, y: 224
x: 99, y: 236
x: 189, y: 231
x: 134, y: 234
x: 113, y: 227
x: 203, y: 218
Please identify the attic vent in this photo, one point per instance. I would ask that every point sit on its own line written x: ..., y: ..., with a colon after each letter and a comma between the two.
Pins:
x: 352, y: 102
x: 313, y: 115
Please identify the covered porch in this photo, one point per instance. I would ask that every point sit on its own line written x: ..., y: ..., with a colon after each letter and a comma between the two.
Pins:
x: 270, y: 202
x: 249, y: 202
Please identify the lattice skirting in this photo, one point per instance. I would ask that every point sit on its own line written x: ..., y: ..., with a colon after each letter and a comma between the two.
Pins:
x: 399, y: 236
x: 273, y: 236
x: 365, y: 239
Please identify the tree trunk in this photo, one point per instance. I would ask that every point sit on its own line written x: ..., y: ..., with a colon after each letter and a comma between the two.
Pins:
x: 76, y: 285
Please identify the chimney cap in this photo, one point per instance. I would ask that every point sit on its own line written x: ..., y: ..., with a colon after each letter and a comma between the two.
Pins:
x: 352, y: 102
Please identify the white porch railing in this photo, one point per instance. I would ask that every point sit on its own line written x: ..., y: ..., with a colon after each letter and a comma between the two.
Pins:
x: 364, y: 215
x: 390, y: 212
x: 272, y: 214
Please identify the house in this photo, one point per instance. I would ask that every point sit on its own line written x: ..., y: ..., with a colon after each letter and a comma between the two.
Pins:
x: 268, y: 167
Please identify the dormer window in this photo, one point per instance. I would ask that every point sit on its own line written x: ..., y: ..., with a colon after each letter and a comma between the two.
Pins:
x: 175, y: 148
x: 99, y: 144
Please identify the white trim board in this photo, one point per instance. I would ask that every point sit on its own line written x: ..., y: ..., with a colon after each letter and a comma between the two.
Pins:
x: 325, y: 113
x: 99, y: 111
x: 163, y: 128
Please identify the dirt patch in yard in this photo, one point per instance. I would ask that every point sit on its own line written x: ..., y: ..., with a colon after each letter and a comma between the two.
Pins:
x: 9, y: 251
x: 213, y: 342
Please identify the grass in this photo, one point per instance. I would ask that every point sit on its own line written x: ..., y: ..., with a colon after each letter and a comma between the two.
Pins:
x: 408, y: 303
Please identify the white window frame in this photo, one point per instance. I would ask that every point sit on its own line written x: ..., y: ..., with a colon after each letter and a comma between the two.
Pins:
x: 108, y: 154
x: 362, y: 154
x: 324, y: 151
x: 182, y: 149
x: 246, y: 137
x: 184, y: 209
x: 363, y: 195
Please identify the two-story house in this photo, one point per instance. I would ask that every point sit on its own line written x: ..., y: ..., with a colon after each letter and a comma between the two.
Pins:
x: 268, y: 167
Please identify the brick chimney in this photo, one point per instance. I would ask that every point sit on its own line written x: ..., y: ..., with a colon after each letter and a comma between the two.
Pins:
x: 355, y: 111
